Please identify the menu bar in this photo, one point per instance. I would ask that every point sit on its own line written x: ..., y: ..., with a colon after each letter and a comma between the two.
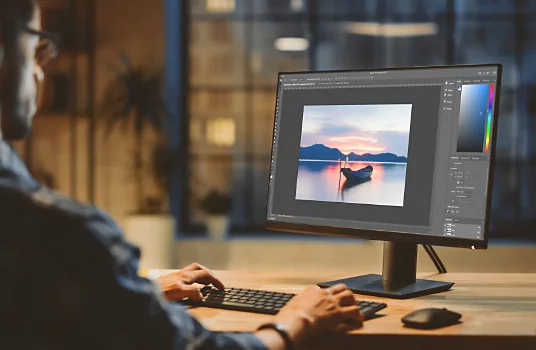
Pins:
x: 446, y: 73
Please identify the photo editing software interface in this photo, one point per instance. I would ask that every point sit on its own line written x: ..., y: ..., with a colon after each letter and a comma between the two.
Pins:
x: 395, y: 150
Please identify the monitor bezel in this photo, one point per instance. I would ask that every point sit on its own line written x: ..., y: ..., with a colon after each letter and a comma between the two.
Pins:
x: 394, y: 236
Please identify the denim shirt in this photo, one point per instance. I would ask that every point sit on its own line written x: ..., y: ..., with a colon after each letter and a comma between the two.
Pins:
x: 70, y: 279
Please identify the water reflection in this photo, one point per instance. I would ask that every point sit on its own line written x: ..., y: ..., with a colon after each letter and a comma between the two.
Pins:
x: 322, y: 181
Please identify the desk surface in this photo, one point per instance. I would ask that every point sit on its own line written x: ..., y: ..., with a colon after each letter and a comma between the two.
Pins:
x: 493, y: 306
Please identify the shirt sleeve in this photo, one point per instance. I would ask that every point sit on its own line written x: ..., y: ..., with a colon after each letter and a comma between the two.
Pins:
x: 120, y: 309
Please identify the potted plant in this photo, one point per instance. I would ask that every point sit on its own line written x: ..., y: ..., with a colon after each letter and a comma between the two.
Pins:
x: 134, y: 99
x: 217, y: 206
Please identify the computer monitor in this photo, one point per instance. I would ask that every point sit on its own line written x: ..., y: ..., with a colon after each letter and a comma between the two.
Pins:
x: 401, y: 155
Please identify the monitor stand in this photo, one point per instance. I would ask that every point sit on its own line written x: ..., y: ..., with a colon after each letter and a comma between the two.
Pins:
x: 398, y: 279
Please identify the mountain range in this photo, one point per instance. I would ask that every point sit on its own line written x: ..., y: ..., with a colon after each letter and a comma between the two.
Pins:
x: 321, y: 152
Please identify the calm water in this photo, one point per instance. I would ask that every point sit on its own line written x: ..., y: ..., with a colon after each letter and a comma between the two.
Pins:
x: 319, y: 181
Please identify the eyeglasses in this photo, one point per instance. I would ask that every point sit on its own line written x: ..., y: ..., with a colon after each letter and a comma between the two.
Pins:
x: 47, y: 49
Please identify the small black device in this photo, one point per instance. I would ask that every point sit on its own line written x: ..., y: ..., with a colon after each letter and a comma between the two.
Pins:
x: 432, y: 318
x: 260, y: 301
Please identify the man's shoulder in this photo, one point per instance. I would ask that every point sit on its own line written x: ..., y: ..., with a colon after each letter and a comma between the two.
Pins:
x: 43, y: 200
x: 49, y: 212
x: 51, y: 200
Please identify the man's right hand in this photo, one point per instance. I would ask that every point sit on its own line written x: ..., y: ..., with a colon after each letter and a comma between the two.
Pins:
x: 317, y: 310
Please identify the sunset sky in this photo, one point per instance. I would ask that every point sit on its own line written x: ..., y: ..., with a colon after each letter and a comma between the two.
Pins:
x: 359, y: 129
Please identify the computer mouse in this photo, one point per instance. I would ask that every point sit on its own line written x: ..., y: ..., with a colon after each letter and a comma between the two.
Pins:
x: 431, y: 318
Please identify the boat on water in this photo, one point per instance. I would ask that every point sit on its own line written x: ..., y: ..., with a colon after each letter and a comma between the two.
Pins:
x: 358, y: 175
x: 363, y: 174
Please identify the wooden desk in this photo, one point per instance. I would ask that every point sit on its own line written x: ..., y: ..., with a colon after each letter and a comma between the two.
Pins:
x: 499, y: 312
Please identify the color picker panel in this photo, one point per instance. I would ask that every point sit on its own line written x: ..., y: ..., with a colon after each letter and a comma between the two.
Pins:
x: 472, y: 118
x: 490, y: 113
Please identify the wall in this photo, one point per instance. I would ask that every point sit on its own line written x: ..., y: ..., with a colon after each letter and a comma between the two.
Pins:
x: 135, y: 27
x: 349, y: 256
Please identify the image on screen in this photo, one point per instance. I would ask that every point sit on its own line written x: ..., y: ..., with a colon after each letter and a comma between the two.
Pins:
x: 354, y: 154
x: 473, y: 115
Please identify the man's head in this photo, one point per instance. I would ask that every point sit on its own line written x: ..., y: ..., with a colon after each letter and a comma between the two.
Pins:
x: 18, y: 66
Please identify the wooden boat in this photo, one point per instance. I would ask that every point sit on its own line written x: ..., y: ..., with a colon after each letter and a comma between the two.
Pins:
x: 357, y: 175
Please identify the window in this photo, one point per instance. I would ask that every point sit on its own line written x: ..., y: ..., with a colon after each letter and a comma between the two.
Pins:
x: 237, y: 47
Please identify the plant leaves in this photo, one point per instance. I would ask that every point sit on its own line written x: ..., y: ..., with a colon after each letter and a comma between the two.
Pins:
x: 134, y: 101
x: 112, y: 122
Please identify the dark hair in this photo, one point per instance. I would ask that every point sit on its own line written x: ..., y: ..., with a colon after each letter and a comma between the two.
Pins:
x: 13, y: 15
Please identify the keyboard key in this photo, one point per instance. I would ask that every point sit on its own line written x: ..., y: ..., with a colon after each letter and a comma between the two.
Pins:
x: 241, y: 305
x: 365, y: 310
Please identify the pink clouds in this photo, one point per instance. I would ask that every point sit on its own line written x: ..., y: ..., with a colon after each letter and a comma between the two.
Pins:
x: 358, y: 128
x: 356, y: 144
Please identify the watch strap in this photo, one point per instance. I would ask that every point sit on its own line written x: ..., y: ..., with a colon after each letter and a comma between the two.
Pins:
x: 282, y: 331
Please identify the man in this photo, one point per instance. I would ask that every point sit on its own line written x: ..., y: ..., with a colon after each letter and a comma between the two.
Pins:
x: 69, y: 277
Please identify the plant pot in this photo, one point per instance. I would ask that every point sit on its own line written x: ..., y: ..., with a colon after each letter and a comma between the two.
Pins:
x: 155, y: 236
x: 217, y: 226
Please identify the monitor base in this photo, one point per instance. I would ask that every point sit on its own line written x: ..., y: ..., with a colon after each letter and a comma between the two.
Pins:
x: 374, y: 285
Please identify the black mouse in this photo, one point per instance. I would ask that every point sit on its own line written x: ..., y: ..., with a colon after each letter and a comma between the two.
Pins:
x: 431, y: 318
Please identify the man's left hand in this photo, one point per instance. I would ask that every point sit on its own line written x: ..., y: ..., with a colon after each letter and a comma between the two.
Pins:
x: 179, y: 285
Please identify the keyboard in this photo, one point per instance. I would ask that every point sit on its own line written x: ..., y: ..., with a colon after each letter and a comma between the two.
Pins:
x: 260, y: 301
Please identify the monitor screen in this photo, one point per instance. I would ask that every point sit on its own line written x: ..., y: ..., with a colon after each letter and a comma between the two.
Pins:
x: 393, y: 154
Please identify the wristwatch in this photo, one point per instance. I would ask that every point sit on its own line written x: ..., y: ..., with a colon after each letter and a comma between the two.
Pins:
x: 282, y: 331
